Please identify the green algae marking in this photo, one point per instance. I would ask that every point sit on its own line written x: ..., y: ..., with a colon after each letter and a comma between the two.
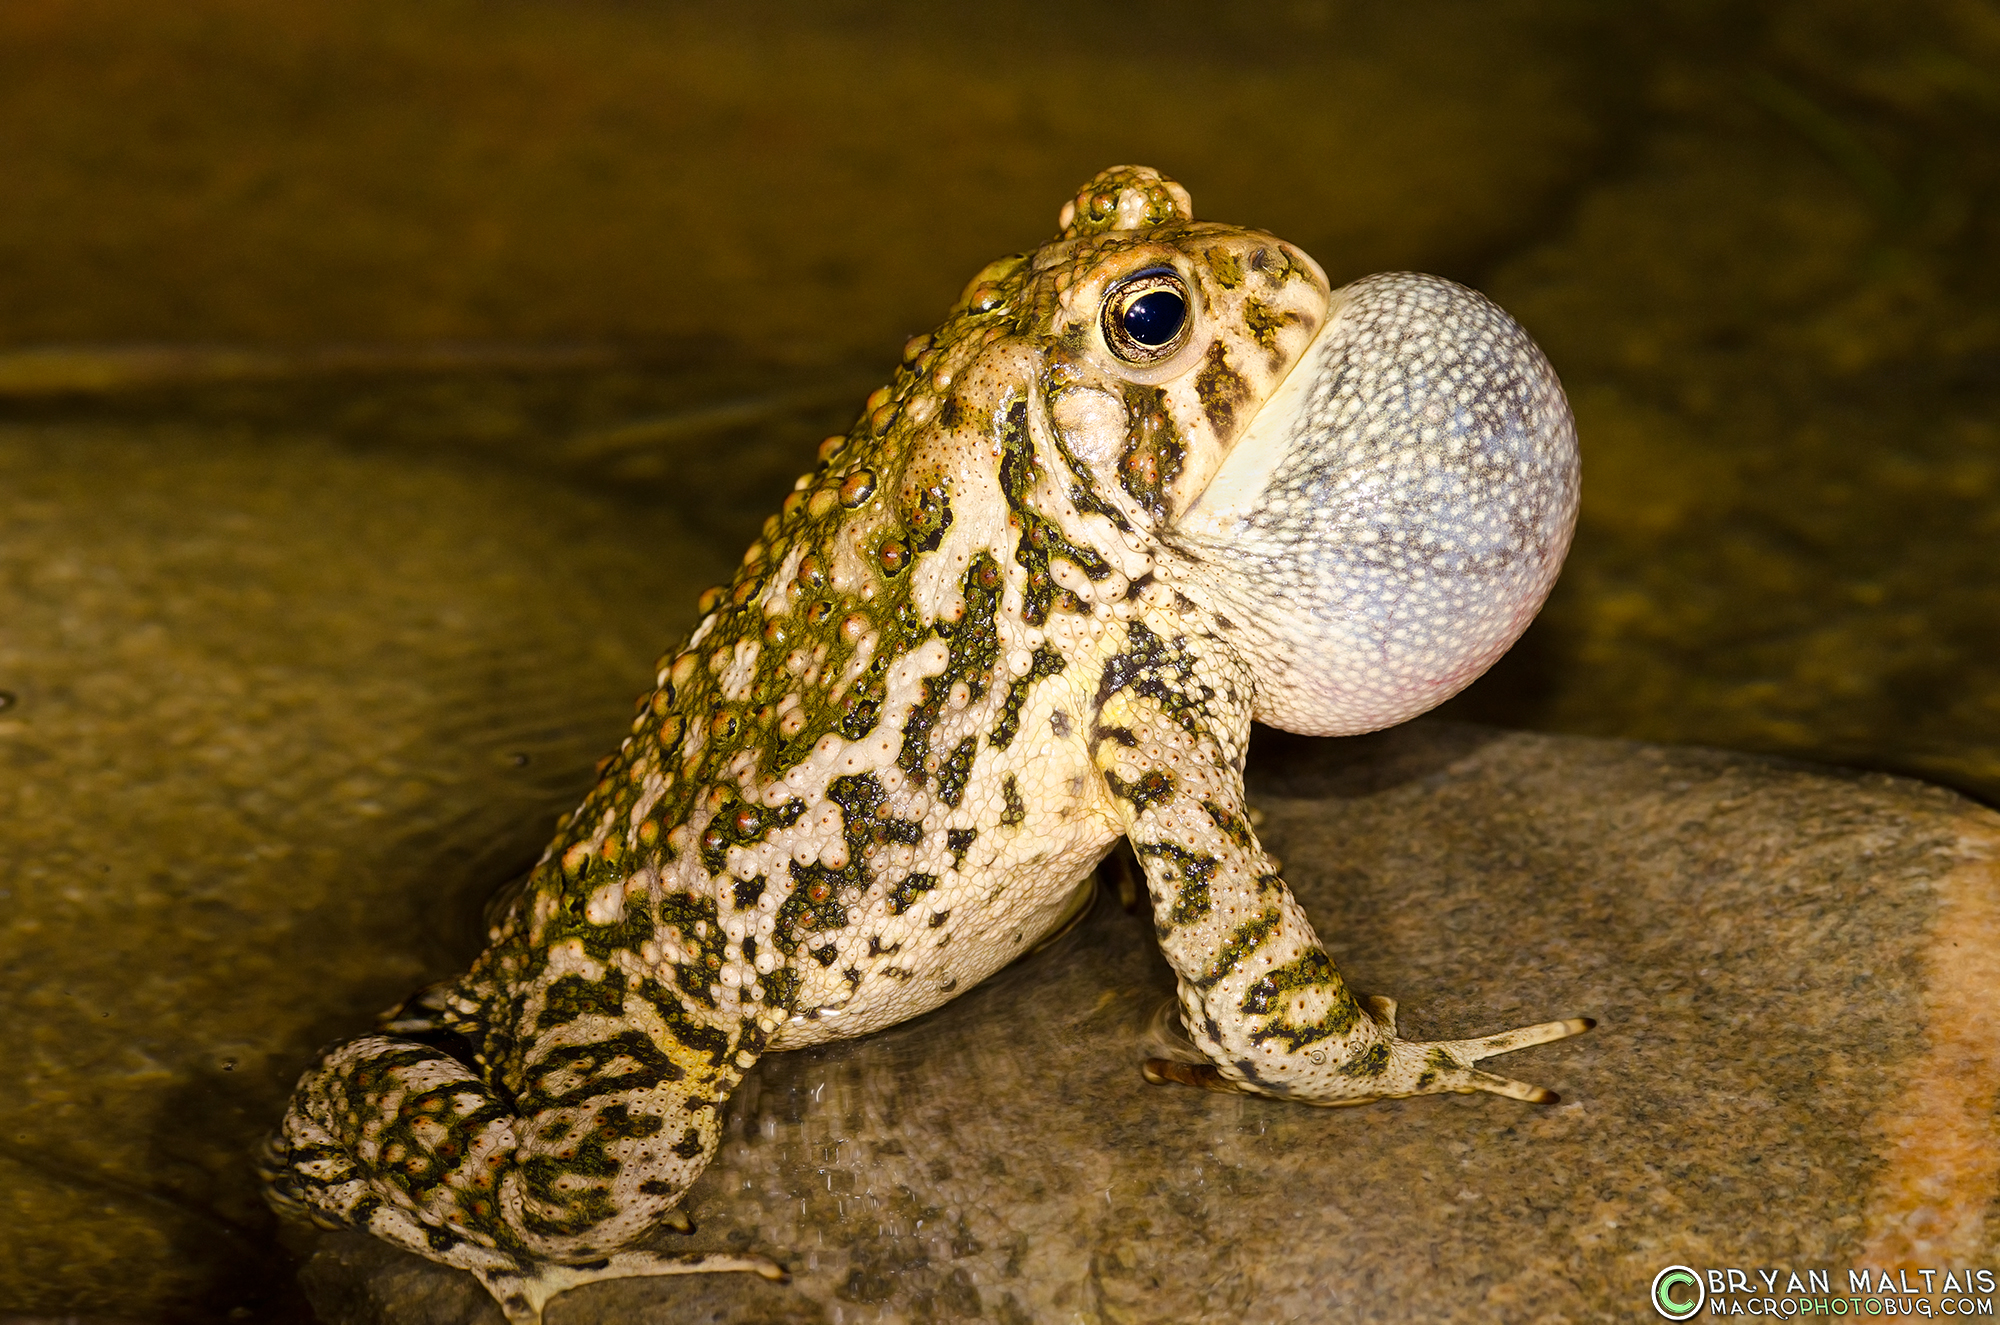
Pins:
x: 815, y: 622
x: 861, y: 797
x: 1264, y: 324
x: 781, y: 987
x: 1227, y: 268
x: 551, y: 1181
x: 1233, y: 826
x: 1314, y: 970
x: 696, y: 1036
x: 1341, y: 1016
x: 569, y: 920
x: 1144, y: 792
x: 1370, y: 1062
x: 813, y: 906
x: 640, y: 1066
x: 1221, y: 390
x: 695, y: 918
x: 955, y: 771
x: 930, y: 517
x: 861, y: 710
x: 739, y: 823
x: 1437, y: 1063
x: 816, y: 901
x: 421, y: 1166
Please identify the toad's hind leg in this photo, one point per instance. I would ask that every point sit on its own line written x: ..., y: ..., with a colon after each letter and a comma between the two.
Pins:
x: 400, y: 1139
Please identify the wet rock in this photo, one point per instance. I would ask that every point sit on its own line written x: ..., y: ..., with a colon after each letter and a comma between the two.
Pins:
x: 280, y: 715
x: 1780, y: 347
x: 1791, y: 968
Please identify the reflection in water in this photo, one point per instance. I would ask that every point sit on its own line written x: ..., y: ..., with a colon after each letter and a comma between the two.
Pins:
x: 301, y: 649
x: 1779, y: 334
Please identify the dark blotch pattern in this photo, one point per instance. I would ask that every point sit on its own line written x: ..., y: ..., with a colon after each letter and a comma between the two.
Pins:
x: 1242, y: 941
x: 905, y: 894
x: 1222, y: 391
x: 1041, y: 539
x: 1044, y: 662
x: 1195, y: 870
x: 1155, y: 452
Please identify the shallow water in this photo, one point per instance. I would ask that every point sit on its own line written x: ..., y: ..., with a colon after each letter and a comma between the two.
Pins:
x: 477, y: 339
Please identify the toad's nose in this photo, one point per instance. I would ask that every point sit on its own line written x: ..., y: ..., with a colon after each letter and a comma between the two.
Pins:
x: 1397, y: 512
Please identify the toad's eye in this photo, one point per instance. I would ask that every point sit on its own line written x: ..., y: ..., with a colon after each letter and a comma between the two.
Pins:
x: 1146, y: 316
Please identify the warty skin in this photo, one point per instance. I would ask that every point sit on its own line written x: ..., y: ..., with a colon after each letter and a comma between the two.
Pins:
x: 1146, y: 483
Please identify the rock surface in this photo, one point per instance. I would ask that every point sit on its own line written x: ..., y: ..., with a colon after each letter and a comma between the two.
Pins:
x: 1791, y: 968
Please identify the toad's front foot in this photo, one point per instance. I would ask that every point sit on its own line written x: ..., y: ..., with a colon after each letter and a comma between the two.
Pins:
x: 1387, y: 1068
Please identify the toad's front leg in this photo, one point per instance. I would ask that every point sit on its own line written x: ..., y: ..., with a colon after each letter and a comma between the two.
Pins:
x: 1261, y: 998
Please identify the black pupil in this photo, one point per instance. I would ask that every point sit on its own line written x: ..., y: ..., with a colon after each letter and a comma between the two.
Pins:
x: 1155, y: 318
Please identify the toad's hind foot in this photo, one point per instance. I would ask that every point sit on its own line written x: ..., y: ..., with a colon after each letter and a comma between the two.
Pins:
x: 523, y: 1295
x: 1202, y: 1076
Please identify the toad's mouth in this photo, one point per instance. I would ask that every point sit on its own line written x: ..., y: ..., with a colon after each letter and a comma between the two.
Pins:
x: 1397, y: 511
